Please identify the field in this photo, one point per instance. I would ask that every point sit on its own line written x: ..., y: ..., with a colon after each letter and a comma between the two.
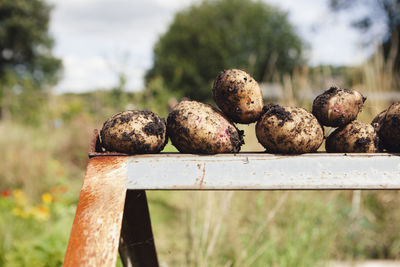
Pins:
x: 42, y: 166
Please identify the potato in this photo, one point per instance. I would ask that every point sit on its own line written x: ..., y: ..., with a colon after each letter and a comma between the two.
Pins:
x: 289, y: 130
x: 238, y: 95
x: 377, y: 121
x: 134, y: 132
x: 195, y: 127
x: 355, y: 137
x: 337, y: 107
x: 389, y: 129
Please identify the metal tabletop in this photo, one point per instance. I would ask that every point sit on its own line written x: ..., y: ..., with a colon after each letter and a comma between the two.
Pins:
x: 262, y: 171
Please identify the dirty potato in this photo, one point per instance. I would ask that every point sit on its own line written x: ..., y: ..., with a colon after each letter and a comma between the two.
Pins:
x: 337, y: 107
x: 238, y: 95
x: 134, y: 132
x: 288, y: 130
x: 377, y: 121
x: 355, y: 137
x: 389, y: 129
x: 195, y: 127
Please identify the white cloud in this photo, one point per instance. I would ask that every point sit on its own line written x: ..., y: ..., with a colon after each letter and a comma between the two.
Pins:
x: 97, y: 73
x: 78, y: 71
x: 90, y: 34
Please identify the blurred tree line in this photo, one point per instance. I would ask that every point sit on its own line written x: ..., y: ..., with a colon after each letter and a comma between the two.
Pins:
x: 215, y: 35
x: 28, y: 68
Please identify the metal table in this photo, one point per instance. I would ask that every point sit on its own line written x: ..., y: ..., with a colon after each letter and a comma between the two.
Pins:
x: 112, y: 212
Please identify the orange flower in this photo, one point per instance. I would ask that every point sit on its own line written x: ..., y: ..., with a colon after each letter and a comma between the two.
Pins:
x: 5, y: 193
x: 41, y: 213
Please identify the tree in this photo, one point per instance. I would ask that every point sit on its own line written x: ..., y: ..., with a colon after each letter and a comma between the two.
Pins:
x: 215, y: 35
x: 25, y: 48
x: 383, y: 12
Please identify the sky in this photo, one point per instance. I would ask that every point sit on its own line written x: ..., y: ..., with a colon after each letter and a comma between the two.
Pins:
x: 97, y: 39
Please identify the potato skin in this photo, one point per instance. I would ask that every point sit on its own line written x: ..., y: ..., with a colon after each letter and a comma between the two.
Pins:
x: 377, y: 121
x: 337, y: 107
x: 134, y: 132
x: 196, y: 127
x: 389, y: 128
x: 355, y: 137
x: 238, y: 95
x: 289, y: 130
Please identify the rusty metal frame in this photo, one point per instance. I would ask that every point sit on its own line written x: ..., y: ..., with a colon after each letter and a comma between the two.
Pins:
x: 112, y: 212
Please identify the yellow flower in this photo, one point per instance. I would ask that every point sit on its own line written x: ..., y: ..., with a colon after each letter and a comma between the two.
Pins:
x: 17, y: 193
x: 16, y: 211
x: 41, y: 213
x: 19, y: 196
x: 47, y: 198
x: 20, y: 213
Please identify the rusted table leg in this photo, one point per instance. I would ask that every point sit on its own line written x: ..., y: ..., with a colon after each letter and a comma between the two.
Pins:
x: 96, y: 229
x: 137, y: 243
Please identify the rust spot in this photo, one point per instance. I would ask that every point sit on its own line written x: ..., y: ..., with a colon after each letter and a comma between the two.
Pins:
x: 198, y: 166
x: 204, y: 174
x: 103, y: 165
x: 99, y: 214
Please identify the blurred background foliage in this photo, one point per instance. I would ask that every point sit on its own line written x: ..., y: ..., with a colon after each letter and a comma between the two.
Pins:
x: 377, y: 12
x: 27, y: 67
x: 215, y: 35
x: 44, y: 139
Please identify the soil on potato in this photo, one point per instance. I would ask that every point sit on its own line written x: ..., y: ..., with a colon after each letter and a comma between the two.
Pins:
x: 327, y: 95
x: 340, y: 137
x: 275, y: 117
x: 236, y: 138
x: 228, y: 92
x: 361, y: 144
x: 122, y: 119
x: 322, y: 100
x: 180, y: 130
x: 157, y: 127
x: 232, y: 88
x: 185, y: 142
x: 278, y: 111
x: 389, y: 129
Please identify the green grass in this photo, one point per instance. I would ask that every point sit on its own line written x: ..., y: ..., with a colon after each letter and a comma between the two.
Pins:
x: 34, y: 234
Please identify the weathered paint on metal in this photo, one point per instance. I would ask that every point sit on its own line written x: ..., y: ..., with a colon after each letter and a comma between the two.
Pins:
x: 261, y: 171
x: 96, y: 229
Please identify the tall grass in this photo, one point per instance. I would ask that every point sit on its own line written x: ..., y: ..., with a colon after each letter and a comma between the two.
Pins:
x: 34, y: 159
